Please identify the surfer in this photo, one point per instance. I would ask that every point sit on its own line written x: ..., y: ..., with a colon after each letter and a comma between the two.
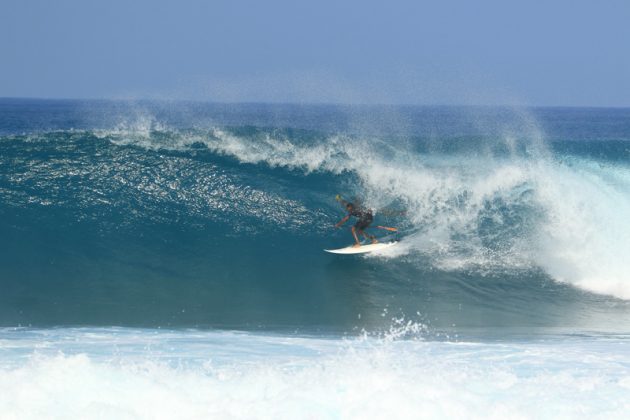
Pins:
x: 365, y: 219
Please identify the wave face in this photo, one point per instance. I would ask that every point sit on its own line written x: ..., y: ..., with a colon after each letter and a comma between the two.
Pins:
x: 187, y: 214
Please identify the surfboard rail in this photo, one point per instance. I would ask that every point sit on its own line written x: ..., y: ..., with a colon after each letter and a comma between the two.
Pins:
x: 363, y: 249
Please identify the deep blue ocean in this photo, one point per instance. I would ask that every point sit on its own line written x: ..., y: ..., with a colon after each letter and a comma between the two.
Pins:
x: 172, y: 252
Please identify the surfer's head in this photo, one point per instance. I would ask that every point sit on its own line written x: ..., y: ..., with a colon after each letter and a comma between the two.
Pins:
x: 349, y: 206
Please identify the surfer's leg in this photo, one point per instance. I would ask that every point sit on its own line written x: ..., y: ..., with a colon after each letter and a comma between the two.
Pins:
x: 364, y: 224
x: 357, y: 243
x: 370, y: 237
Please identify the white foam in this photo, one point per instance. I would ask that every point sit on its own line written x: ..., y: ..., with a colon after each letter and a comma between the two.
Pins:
x: 195, y: 375
x: 275, y: 151
x: 585, y: 240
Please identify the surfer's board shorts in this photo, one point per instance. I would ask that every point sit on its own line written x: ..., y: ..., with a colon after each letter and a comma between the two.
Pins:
x: 362, y: 224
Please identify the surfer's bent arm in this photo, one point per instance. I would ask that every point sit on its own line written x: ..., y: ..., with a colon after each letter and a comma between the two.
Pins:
x: 342, y: 221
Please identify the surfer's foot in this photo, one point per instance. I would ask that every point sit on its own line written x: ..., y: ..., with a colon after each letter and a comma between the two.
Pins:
x: 374, y: 241
x: 356, y: 245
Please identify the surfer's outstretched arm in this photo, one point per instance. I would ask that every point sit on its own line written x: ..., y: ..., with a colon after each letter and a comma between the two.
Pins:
x: 342, y: 221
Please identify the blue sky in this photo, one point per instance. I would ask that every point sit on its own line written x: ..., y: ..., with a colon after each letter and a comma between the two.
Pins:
x: 555, y: 52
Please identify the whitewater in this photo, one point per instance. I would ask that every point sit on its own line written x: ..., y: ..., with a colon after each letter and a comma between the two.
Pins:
x: 129, y: 373
x: 164, y: 259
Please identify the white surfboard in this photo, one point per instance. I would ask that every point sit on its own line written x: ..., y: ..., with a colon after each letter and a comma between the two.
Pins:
x: 362, y: 249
